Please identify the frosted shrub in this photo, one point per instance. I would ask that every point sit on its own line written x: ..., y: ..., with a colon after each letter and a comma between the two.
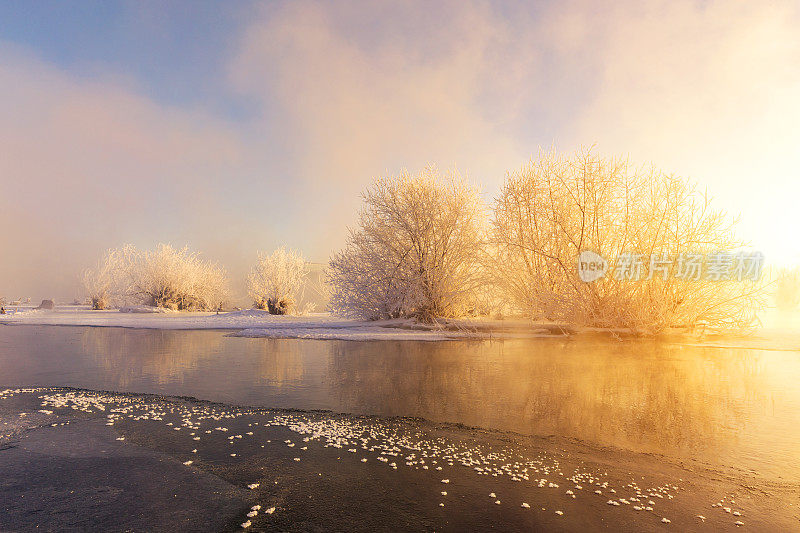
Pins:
x: 558, y: 206
x: 176, y: 279
x: 103, y: 284
x: 414, y: 252
x: 165, y: 277
x: 276, y: 280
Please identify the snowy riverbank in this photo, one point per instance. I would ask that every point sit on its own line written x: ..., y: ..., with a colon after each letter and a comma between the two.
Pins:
x: 779, y: 331
x: 258, y: 323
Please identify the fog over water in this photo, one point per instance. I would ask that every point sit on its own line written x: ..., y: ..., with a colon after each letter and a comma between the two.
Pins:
x: 735, y: 404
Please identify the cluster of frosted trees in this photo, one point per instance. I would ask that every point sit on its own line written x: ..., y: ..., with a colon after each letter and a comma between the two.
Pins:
x: 427, y: 246
x: 179, y: 279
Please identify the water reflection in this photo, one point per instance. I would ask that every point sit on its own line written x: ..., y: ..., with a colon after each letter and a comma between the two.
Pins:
x: 128, y: 356
x: 279, y: 362
x: 644, y: 396
x: 164, y: 357
x: 738, y: 407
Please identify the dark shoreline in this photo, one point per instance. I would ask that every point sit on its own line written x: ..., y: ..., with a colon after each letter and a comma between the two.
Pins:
x: 81, y: 476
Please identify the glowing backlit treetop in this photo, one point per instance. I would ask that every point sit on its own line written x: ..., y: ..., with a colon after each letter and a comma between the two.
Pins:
x: 559, y: 206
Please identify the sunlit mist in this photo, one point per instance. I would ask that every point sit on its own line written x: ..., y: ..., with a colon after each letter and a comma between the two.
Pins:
x: 264, y: 132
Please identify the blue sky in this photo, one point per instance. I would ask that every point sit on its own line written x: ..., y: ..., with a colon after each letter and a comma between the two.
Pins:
x: 242, y: 126
x: 171, y: 51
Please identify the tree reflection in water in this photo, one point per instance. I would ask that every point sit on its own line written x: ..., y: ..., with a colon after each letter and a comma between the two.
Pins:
x: 129, y: 355
x: 646, y: 396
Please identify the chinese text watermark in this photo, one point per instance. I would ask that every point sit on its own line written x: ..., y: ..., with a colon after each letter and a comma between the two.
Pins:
x: 719, y: 266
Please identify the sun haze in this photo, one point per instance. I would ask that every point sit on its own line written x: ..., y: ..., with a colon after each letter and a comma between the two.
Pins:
x: 241, y: 129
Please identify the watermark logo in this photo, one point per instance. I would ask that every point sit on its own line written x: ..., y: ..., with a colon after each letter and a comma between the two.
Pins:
x: 591, y: 266
x: 720, y: 266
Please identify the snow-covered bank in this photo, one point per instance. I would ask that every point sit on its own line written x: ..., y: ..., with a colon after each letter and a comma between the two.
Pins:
x: 355, y: 333
x: 773, y: 335
x: 135, y: 318
x: 258, y: 323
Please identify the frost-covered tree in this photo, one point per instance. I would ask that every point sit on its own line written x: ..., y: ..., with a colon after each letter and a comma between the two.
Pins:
x: 415, y: 250
x: 171, y: 278
x: 102, y: 283
x: 559, y: 206
x: 276, y: 280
